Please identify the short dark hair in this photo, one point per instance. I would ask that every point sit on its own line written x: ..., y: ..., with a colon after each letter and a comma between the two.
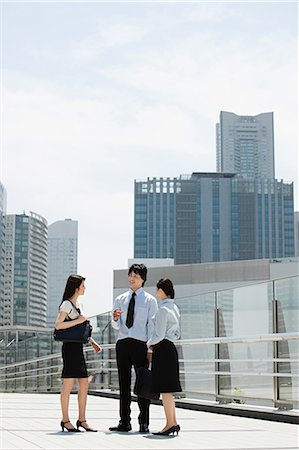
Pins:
x: 140, y: 269
x: 73, y: 282
x: 167, y: 287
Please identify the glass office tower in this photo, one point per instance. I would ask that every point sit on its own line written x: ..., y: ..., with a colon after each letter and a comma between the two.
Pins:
x: 296, y: 227
x: 62, y: 262
x: 2, y: 247
x: 210, y: 217
x: 25, y: 291
x: 245, y: 145
x: 154, y: 220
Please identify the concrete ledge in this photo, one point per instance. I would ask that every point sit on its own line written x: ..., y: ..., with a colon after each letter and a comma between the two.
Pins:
x: 253, y: 412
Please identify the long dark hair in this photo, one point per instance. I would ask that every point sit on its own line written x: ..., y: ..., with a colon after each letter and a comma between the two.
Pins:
x: 73, y: 283
x: 167, y: 287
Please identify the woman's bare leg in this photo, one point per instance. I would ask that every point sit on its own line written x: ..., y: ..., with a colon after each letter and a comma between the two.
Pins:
x: 65, y: 399
x: 82, y: 398
x: 169, y: 409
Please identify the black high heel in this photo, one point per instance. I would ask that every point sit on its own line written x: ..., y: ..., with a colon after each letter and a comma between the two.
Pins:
x: 71, y: 430
x: 172, y: 430
x: 79, y: 424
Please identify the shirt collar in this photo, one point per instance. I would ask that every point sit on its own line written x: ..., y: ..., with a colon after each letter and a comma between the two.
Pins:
x: 136, y: 292
x: 167, y: 300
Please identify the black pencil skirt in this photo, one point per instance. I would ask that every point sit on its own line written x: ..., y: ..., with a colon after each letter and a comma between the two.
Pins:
x: 165, y: 367
x: 74, y: 365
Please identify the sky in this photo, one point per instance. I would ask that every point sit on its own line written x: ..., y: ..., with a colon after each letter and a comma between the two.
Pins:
x: 97, y: 94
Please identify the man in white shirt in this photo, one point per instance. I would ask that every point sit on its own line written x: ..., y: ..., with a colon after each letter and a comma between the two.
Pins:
x: 132, y: 318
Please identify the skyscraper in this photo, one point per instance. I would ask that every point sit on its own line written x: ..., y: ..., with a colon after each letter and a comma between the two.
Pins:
x: 62, y: 262
x: 240, y: 212
x: 210, y: 217
x: 2, y: 246
x: 296, y: 227
x: 245, y: 145
x: 154, y: 225
x: 25, y: 290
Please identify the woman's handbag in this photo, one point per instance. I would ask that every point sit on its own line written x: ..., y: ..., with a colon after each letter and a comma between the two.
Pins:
x: 143, y: 384
x: 78, y: 333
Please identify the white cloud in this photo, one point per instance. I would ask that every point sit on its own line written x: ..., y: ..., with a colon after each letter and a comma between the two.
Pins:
x: 105, y: 38
x: 120, y: 34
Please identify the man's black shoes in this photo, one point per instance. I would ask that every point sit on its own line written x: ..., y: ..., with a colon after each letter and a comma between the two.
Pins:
x: 143, y: 428
x: 121, y: 427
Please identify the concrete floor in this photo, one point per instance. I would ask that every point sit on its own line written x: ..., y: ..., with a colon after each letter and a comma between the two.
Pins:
x: 31, y: 421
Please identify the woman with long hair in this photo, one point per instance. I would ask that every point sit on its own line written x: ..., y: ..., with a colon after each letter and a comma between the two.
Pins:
x: 74, y: 365
x: 165, y: 365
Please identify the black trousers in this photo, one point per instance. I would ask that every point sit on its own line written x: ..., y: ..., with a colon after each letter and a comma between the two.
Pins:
x: 130, y: 353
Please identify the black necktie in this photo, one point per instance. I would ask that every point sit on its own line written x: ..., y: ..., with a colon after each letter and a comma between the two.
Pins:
x: 130, y: 314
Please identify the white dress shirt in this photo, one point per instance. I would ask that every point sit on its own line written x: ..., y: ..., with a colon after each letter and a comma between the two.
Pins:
x: 68, y: 307
x: 145, y: 308
x: 166, y: 323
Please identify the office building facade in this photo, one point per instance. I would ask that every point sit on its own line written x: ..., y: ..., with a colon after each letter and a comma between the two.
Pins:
x: 2, y: 246
x: 245, y: 145
x: 296, y: 227
x: 62, y: 262
x: 25, y: 289
x: 211, y: 217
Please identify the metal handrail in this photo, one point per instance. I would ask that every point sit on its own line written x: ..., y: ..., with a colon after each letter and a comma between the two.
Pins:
x: 185, y: 342
x: 28, y: 375
x: 242, y: 339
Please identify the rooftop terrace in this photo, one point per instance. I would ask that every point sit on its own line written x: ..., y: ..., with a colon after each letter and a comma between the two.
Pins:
x: 31, y: 421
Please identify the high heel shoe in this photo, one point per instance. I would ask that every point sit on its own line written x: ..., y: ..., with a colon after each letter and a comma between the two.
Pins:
x: 172, y: 430
x: 79, y: 424
x: 71, y: 430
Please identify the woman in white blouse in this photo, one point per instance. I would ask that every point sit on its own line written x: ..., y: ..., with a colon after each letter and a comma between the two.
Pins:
x: 165, y: 365
x: 74, y: 365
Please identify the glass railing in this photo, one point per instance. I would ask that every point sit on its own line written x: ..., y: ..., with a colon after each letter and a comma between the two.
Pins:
x: 239, y: 345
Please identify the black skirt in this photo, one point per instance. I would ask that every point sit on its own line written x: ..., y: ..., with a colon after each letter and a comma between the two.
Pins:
x: 74, y: 365
x: 165, y: 367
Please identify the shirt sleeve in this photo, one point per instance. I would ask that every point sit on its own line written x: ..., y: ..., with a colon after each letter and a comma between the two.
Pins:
x: 159, y: 331
x: 153, y: 309
x: 66, y: 307
x: 115, y: 323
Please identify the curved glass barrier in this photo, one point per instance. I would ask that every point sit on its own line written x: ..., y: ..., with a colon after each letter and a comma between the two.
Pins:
x: 238, y: 345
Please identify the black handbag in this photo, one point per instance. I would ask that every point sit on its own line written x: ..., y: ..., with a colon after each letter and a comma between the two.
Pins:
x: 143, y: 384
x: 78, y: 333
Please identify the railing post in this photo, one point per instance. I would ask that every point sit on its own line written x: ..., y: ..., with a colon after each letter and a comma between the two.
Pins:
x: 25, y: 366
x: 275, y: 352
x: 216, y: 333
x: 51, y: 368
x: 281, y: 350
x: 109, y: 353
x: 16, y: 357
x: 38, y: 380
